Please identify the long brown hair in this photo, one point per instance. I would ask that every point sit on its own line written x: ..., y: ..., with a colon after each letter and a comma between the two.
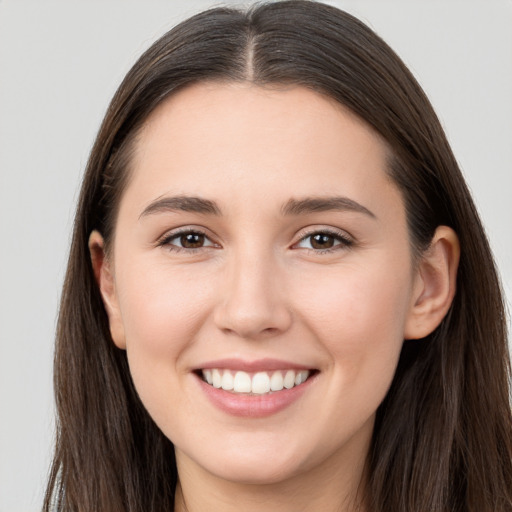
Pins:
x: 443, y: 435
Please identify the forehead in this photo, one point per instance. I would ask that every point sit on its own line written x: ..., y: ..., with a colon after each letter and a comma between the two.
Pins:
x: 238, y: 141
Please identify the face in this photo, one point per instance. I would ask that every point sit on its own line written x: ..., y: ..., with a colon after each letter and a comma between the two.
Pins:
x: 260, y: 247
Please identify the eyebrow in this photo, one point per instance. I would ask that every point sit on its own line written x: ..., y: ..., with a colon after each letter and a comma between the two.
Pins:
x: 181, y: 203
x: 291, y: 207
x: 324, y: 204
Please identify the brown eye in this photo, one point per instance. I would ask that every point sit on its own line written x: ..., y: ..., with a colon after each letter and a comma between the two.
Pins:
x: 322, y: 241
x: 192, y: 240
x: 186, y: 240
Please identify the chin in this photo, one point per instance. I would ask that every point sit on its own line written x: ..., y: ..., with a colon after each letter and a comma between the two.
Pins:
x: 246, y: 465
x: 261, y: 473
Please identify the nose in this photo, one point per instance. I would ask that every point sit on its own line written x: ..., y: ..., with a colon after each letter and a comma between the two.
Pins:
x: 252, y: 302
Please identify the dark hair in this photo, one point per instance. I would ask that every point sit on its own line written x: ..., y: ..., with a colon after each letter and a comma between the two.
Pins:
x: 443, y: 435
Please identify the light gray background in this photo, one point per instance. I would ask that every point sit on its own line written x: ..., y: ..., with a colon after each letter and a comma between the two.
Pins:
x: 60, y: 63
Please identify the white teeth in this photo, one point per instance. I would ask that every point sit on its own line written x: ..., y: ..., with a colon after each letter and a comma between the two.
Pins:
x: 216, y: 379
x: 289, y: 379
x: 260, y: 382
x: 227, y: 381
x: 276, y: 381
x: 301, y: 377
x: 242, y: 383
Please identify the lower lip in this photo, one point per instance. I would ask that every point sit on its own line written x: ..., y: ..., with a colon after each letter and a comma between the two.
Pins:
x: 254, y: 406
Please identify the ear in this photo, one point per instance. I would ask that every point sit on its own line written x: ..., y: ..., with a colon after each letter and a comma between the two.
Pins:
x: 104, y: 275
x: 435, y: 284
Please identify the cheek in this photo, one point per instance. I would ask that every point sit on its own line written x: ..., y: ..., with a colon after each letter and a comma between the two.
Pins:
x: 161, y: 307
x: 359, y: 315
x: 358, y: 321
x: 162, y: 310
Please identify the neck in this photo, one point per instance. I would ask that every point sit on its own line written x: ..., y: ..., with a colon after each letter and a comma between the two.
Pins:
x: 333, y: 487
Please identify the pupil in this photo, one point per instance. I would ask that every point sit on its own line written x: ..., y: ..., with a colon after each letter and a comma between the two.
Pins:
x: 192, y: 240
x: 322, y: 241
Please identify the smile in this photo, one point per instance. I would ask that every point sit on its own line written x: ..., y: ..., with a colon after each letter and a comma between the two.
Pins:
x: 258, y: 383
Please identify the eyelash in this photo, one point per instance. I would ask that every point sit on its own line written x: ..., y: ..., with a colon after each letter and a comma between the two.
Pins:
x: 166, y: 241
x: 344, y: 241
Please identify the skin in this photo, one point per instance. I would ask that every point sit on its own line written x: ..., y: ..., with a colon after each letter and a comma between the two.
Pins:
x: 258, y: 288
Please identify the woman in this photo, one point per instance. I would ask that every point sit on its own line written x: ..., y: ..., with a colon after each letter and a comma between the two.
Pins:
x: 279, y: 292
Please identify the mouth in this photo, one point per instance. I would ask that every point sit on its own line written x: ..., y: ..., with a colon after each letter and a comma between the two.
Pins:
x: 254, y: 389
x: 254, y: 383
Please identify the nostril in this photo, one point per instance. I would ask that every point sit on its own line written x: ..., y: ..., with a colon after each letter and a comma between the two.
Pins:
x: 254, y: 322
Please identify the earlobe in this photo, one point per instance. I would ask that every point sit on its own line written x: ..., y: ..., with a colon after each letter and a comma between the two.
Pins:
x: 103, y: 273
x: 435, y: 285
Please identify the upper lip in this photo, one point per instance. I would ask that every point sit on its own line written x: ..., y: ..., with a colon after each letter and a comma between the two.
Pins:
x: 266, y: 364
